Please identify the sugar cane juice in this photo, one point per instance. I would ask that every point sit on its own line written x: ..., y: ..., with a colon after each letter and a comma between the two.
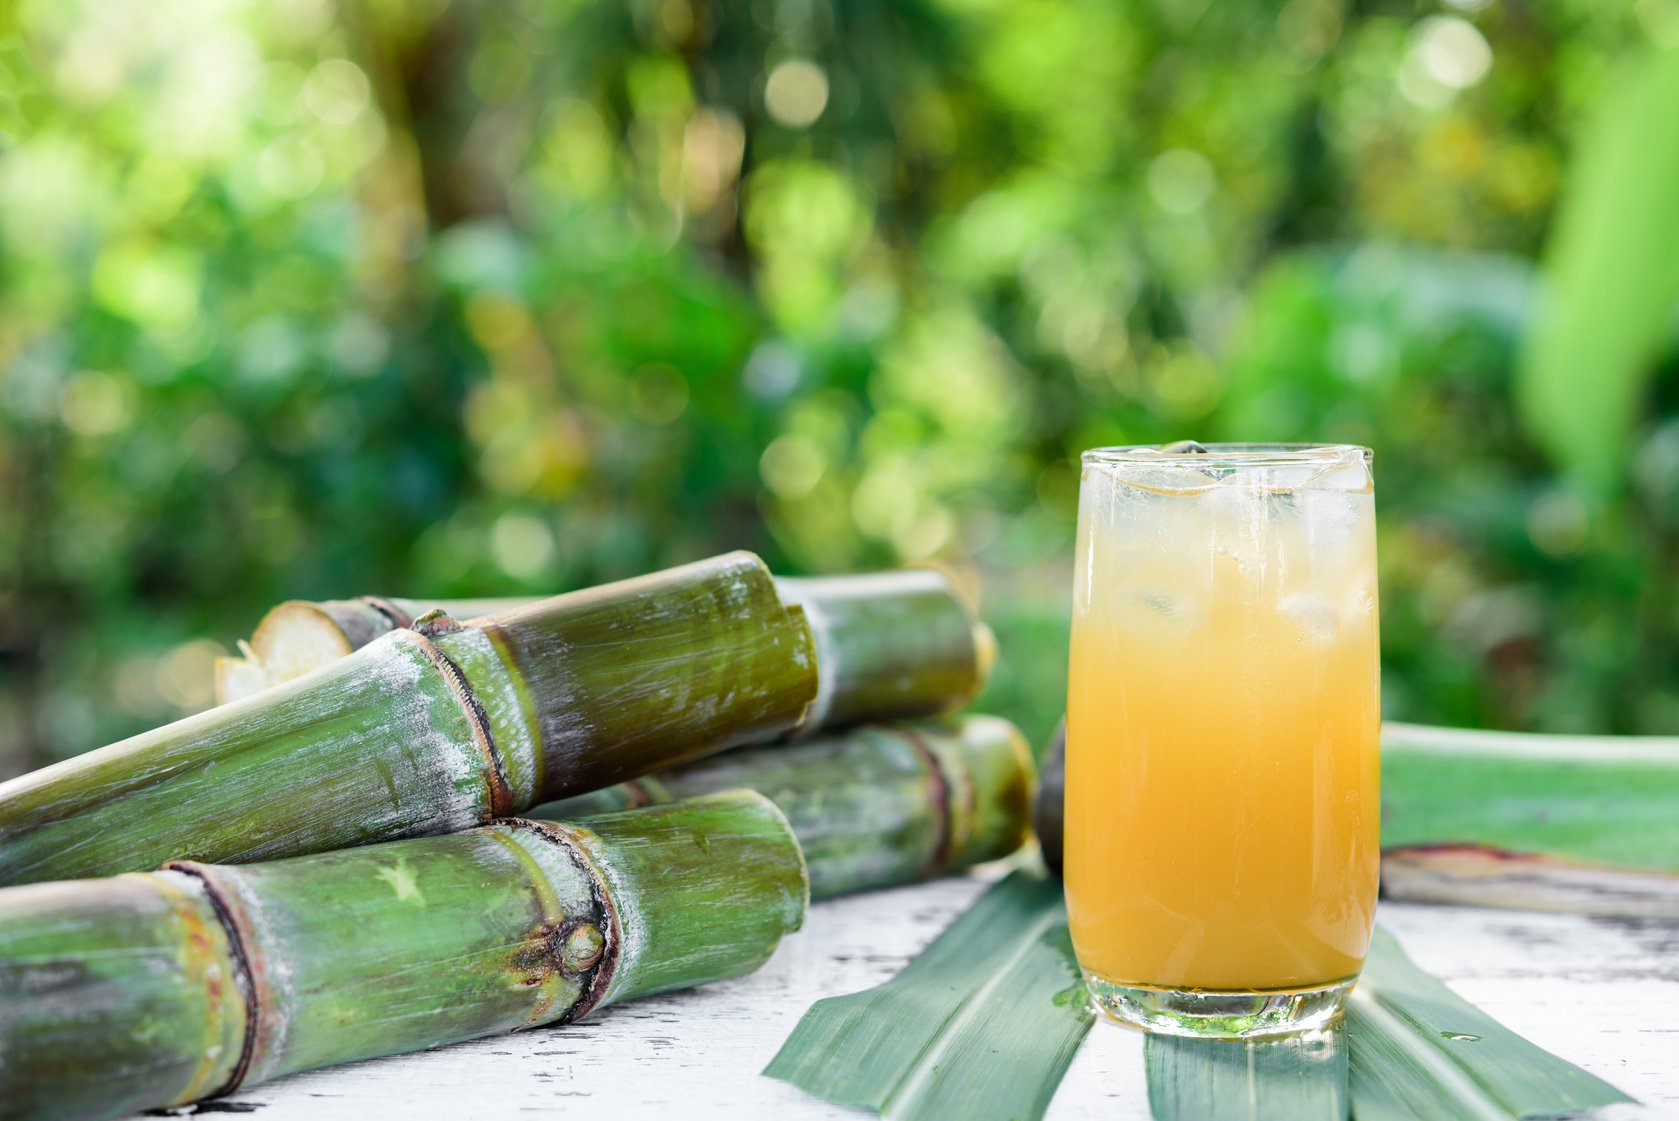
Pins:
x: 1222, y: 763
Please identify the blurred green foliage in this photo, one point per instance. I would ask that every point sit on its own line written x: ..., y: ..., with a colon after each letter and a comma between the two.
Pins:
x: 442, y: 297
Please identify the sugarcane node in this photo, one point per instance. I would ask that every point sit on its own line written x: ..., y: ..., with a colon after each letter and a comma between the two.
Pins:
x: 397, y: 616
x: 243, y: 976
x: 436, y: 623
x: 596, y: 977
x: 496, y: 781
x: 943, y: 846
x: 538, y: 956
x: 581, y: 948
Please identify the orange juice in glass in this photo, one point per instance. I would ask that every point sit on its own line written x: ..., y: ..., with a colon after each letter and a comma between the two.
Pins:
x: 1222, y: 719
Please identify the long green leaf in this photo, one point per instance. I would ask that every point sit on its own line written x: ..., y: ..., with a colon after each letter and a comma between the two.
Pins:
x: 1603, y: 799
x: 1417, y: 1049
x: 1410, y: 1049
x: 982, y: 1025
x: 1293, y: 1078
x: 1611, y: 279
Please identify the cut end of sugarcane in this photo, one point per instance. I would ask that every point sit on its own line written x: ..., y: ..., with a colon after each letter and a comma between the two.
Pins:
x: 1482, y: 876
x: 293, y: 639
x: 238, y: 678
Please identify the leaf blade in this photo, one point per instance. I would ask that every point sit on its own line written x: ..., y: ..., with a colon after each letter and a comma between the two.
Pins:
x: 983, y: 1016
x: 1611, y: 280
x: 1293, y: 1078
x: 1402, y: 1022
x: 1601, y: 799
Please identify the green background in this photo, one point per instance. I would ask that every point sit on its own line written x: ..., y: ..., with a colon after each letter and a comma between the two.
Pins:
x: 311, y: 299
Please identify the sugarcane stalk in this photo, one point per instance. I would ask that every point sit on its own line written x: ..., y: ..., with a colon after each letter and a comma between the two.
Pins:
x: 890, y: 645
x: 1582, y: 824
x: 874, y: 806
x: 160, y: 988
x: 434, y: 729
x: 300, y: 636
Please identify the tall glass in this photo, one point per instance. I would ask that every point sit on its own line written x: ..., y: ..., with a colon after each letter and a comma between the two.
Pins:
x: 1222, y: 719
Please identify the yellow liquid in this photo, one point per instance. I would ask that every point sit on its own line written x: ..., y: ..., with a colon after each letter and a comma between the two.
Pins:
x: 1222, y: 762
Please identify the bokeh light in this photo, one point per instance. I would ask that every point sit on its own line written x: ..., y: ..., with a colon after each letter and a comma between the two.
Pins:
x: 436, y: 299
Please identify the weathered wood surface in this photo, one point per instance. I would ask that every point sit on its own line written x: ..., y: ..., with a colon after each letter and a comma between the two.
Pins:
x: 1603, y: 993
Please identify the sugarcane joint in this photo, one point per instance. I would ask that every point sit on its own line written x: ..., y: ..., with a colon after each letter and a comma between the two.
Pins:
x: 327, y: 869
x: 195, y: 980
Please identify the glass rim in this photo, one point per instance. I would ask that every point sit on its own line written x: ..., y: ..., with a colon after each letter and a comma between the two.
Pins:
x: 1234, y: 455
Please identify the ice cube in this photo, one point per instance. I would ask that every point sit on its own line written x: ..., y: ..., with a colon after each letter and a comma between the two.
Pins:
x: 1349, y: 476
x: 1238, y: 512
x: 1153, y: 470
x: 1346, y: 474
x: 1334, y: 521
x: 1285, y: 477
x: 1314, y: 616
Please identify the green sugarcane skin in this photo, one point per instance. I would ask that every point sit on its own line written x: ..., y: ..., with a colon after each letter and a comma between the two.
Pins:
x: 434, y: 729
x: 890, y: 645
x: 372, y: 747
x: 159, y: 988
x: 299, y: 636
x: 874, y: 806
x: 638, y: 674
x: 72, y: 952
x: 474, y: 914
x: 706, y: 891
x: 403, y: 612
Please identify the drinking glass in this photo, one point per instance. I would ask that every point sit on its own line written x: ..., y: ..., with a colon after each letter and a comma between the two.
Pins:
x: 1222, y: 762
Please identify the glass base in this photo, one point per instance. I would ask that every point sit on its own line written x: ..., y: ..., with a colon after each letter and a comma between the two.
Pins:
x: 1211, y: 1014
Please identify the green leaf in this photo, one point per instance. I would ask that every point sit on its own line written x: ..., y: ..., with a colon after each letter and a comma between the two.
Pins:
x: 1293, y: 1078
x: 1417, y: 1049
x: 1410, y: 1048
x: 982, y: 1025
x: 1611, y: 280
x: 1603, y: 799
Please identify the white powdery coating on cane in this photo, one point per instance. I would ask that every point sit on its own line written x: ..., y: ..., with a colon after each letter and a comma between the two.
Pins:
x: 273, y: 990
x: 448, y: 790
x: 493, y: 685
x: 375, y: 740
x: 627, y: 927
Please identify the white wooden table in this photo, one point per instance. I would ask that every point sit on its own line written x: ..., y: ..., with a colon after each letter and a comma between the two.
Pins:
x: 1601, y: 993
